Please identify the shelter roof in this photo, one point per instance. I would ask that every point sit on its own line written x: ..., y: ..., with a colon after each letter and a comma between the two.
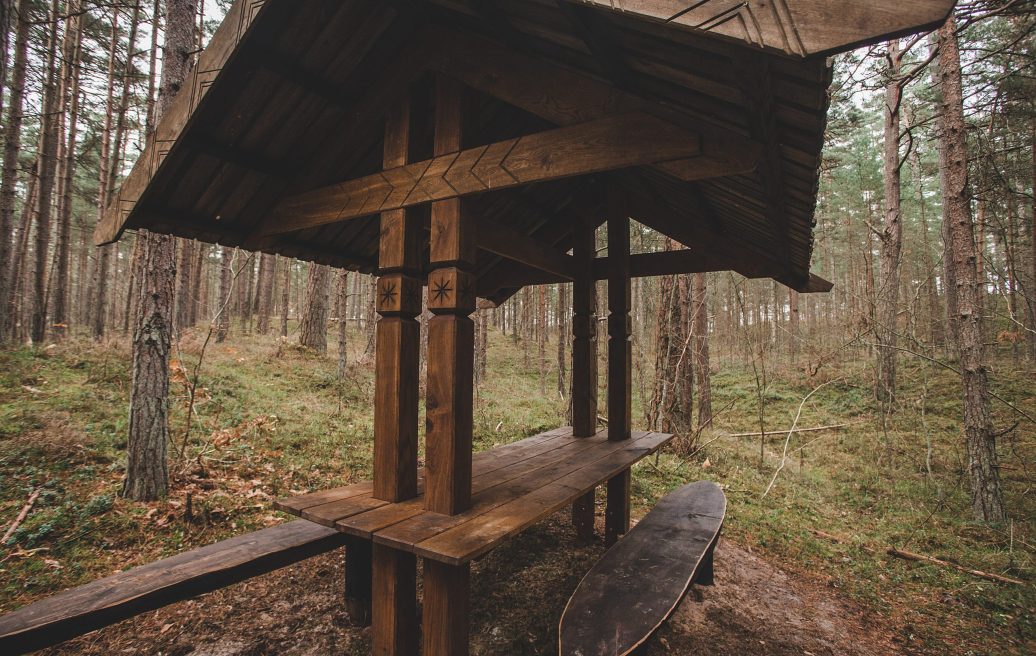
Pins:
x: 289, y: 101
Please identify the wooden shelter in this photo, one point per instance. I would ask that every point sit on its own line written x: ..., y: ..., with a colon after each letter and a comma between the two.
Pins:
x: 470, y: 148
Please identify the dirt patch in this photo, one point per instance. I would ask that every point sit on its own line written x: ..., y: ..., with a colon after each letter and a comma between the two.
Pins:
x: 518, y: 594
x: 758, y: 608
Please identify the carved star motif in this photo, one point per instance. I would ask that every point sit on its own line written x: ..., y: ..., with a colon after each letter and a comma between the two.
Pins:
x: 442, y: 290
x: 388, y: 292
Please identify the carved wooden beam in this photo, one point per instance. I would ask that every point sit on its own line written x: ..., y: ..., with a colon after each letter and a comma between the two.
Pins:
x: 616, y: 142
x: 798, y: 28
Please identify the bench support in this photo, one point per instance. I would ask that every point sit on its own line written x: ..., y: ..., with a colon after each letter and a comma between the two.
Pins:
x: 706, y: 574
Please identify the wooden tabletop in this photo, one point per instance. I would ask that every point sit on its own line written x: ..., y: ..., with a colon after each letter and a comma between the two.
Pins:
x: 513, y: 486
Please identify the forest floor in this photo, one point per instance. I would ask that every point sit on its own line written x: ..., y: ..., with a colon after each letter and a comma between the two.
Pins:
x: 803, y: 567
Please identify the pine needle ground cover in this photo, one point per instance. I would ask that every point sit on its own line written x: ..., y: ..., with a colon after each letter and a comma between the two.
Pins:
x: 270, y: 419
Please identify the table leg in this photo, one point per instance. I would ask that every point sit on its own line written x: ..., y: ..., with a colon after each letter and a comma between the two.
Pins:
x: 617, y: 513
x: 358, y: 581
x: 395, y: 603
x: 446, y: 608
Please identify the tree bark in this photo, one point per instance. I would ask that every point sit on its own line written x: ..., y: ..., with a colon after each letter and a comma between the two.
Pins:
x: 700, y: 330
x: 223, y: 302
x: 48, y: 158
x: 267, y: 275
x: 72, y: 51
x: 313, y: 330
x: 147, y: 470
x: 960, y: 254
x: 890, y: 241
x: 286, y: 298
x: 12, y: 149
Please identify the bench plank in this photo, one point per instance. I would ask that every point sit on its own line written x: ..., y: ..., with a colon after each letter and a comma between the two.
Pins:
x: 638, y: 583
x: 109, y: 600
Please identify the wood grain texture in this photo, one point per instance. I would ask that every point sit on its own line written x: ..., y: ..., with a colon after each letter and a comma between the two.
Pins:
x: 451, y: 332
x: 398, y: 334
x: 447, y: 602
x: 620, y: 348
x: 394, y: 605
x: 636, y: 585
x: 799, y: 28
x: 176, y: 119
x: 605, y: 144
x: 358, y: 581
x: 514, y: 486
x: 141, y: 589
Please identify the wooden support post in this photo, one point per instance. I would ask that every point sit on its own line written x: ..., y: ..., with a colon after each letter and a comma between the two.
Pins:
x: 395, y: 603
x: 451, y: 349
x: 446, y: 608
x: 394, y: 612
x: 584, y: 362
x: 620, y: 358
x: 398, y: 336
x: 358, y: 569
x: 451, y: 334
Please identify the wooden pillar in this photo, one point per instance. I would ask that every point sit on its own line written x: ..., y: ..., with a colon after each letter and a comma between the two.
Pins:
x: 451, y: 334
x: 358, y: 572
x: 446, y: 608
x: 620, y: 358
x: 584, y: 361
x: 448, y: 405
x: 395, y: 603
x: 394, y: 612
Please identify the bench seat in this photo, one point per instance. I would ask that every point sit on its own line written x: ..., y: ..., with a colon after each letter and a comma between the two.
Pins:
x: 513, y: 487
x: 106, y: 601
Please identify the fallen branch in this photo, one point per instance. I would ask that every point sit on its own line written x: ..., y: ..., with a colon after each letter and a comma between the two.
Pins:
x: 796, y: 430
x: 908, y: 555
x: 21, y: 516
x: 787, y: 439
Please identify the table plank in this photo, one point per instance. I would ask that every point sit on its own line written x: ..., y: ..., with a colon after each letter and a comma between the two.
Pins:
x: 483, y: 461
x: 366, y: 523
x: 472, y: 539
x: 522, y: 481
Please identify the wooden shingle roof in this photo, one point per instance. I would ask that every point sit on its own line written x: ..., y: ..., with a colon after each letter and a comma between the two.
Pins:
x: 291, y: 96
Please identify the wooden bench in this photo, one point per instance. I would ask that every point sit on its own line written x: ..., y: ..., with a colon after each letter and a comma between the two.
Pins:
x: 638, y: 583
x: 109, y: 600
x: 513, y: 486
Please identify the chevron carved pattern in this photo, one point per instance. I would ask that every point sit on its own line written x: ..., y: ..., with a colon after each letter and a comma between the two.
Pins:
x: 633, y: 139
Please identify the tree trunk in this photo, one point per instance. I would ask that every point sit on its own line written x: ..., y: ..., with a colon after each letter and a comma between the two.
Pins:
x: 986, y: 494
x: 891, y: 240
x: 286, y: 298
x: 60, y: 317
x: 313, y: 330
x: 563, y: 337
x: 12, y: 149
x: 147, y: 470
x: 700, y: 330
x: 267, y: 275
x: 223, y: 302
x: 343, y: 301
x: 48, y: 159
x: 184, y: 292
